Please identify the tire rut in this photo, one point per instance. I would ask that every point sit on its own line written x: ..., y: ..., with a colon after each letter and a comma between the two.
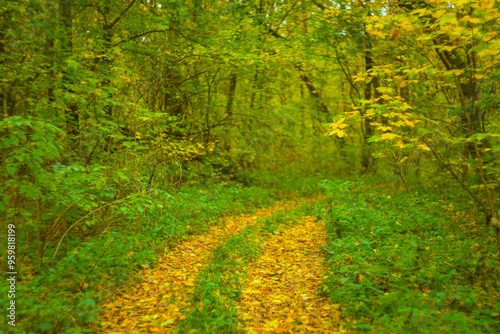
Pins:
x: 281, y: 291
x: 155, y: 305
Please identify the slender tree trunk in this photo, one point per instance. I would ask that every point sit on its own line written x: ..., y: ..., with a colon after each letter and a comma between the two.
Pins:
x: 49, y: 49
x: 66, y: 40
x: 254, y: 90
x: 7, y: 103
x: 314, y: 92
x: 229, y: 107
x: 230, y: 95
x: 368, y: 129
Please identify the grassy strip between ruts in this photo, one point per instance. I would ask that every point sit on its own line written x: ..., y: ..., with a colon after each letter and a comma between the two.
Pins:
x: 409, y: 265
x: 219, y: 284
x: 153, y: 306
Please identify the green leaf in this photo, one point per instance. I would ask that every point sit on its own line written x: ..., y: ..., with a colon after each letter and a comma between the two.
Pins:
x: 46, y: 326
x: 89, y: 302
x: 11, y: 169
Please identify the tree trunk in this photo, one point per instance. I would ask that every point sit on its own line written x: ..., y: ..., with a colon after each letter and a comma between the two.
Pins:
x: 368, y: 129
x: 7, y: 103
x: 66, y: 40
x: 229, y: 106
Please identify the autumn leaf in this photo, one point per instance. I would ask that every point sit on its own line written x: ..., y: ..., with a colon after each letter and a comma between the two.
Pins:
x: 400, y: 144
x: 388, y: 136
x: 423, y: 147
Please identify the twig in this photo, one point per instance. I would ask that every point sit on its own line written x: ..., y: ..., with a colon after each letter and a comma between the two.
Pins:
x: 489, y: 198
x: 464, y: 187
x: 79, y: 220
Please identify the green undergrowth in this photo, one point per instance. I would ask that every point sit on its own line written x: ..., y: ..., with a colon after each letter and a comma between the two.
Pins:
x: 288, y: 181
x: 62, y: 295
x: 219, y: 284
x: 401, y: 264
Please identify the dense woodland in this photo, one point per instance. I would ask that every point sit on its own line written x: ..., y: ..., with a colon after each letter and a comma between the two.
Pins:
x: 128, y: 127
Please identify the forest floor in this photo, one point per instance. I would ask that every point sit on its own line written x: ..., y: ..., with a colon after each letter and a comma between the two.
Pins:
x: 345, y: 256
x: 250, y: 273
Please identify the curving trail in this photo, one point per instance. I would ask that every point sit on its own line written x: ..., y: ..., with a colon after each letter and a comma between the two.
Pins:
x: 161, y: 299
x: 281, y: 292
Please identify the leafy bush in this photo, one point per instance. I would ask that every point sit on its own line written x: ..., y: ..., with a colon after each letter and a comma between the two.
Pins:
x: 289, y: 181
x: 401, y: 264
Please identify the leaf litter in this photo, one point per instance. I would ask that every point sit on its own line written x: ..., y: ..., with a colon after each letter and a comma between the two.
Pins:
x: 156, y: 304
x: 281, y: 291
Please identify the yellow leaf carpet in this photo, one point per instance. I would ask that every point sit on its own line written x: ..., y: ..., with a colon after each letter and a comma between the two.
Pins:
x: 155, y: 305
x: 281, y: 292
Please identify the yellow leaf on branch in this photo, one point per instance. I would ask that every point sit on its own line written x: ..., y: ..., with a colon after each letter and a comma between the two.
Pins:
x: 424, y: 147
x: 400, y: 144
x: 384, y: 128
x: 388, y: 136
x: 336, y: 128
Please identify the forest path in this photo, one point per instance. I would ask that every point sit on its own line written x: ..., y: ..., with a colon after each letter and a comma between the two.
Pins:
x: 155, y: 304
x: 279, y: 284
x: 281, y: 291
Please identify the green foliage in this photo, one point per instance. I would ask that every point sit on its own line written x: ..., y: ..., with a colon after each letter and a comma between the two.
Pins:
x: 65, y: 292
x: 292, y: 180
x: 416, y: 264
